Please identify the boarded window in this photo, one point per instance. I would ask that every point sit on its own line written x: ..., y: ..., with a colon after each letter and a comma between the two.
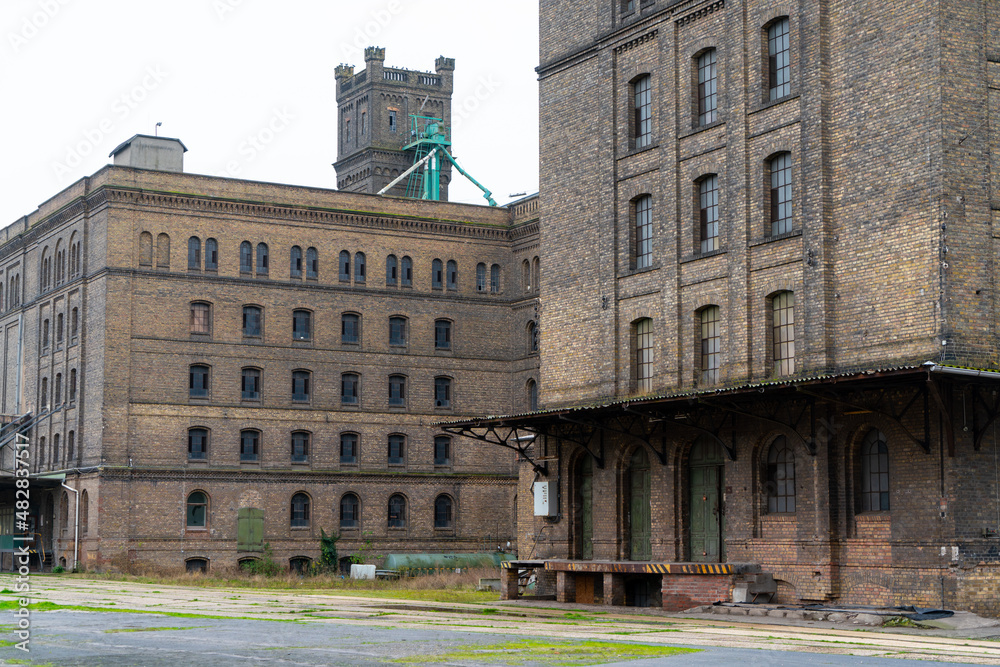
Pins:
x: 250, y: 529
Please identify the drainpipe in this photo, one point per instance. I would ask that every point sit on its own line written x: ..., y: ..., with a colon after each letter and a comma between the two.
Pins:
x: 76, y: 527
x: 20, y: 358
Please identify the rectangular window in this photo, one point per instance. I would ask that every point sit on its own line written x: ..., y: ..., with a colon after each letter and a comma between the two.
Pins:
x: 251, y: 321
x: 349, y: 389
x: 392, y: 120
x: 350, y: 329
x: 249, y: 446
x: 442, y: 335
x: 301, y: 325
x: 783, y: 310
x: 442, y: 392
x: 779, y: 60
x: 200, y: 320
x: 364, y: 123
x: 643, y: 232
x: 643, y: 130
x: 349, y: 448
x: 197, y: 444
x: 708, y: 214
x: 300, y: 447
x: 707, y: 99
x: 711, y: 345
x: 198, y: 384
x: 300, y: 386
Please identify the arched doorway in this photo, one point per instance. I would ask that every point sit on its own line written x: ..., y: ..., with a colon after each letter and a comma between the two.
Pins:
x: 706, y: 518
x: 583, y: 508
x: 638, y: 507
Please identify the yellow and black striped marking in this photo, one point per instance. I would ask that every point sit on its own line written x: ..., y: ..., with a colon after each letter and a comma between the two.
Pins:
x: 640, y: 568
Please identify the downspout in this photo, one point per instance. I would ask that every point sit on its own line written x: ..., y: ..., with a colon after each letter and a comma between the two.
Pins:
x: 76, y: 527
x: 20, y: 362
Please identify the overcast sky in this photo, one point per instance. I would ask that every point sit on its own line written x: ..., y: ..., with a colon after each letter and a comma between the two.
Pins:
x: 81, y: 76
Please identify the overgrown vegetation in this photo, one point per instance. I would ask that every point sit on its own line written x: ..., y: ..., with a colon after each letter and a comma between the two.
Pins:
x: 265, y: 566
x: 549, y: 653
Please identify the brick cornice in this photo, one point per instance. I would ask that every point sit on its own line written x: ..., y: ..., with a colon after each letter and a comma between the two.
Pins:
x: 305, y: 477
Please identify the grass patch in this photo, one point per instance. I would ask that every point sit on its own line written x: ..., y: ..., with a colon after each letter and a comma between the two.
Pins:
x: 161, y: 629
x: 550, y: 653
x: 899, y: 622
x: 52, y: 606
x: 7, y: 642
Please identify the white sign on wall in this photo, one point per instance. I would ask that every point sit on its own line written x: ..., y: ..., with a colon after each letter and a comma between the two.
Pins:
x: 545, y: 499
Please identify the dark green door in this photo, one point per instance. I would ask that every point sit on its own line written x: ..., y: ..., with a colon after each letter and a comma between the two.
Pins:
x: 706, y: 466
x: 639, y: 510
x: 250, y: 529
x: 585, y: 508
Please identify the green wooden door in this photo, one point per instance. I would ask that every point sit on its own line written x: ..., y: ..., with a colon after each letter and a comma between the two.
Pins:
x: 250, y: 529
x: 585, y: 508
x: 706, y: 517
x: 639, y: 508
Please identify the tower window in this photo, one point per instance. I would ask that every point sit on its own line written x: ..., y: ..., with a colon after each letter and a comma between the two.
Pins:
x: 708, y: 212
x: 642, y: 131
x: 711, y: 345
x: 707, y: 100
x: 778, y: 60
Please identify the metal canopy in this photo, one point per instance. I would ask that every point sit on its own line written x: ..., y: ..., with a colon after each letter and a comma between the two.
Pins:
x: 797, y: 405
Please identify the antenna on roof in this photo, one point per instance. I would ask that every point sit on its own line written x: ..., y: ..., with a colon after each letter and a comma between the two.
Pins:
x: 156, y: 130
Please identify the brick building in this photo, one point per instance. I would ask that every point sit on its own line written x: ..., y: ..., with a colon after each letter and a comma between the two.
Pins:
x: 769, y: 305
x: 215, y: 364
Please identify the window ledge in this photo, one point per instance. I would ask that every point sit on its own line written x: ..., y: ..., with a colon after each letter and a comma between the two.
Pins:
x: 300, y: 528
x: 776, y: 237
x: 873, y: 517
x: 645, y: 269
x: 773, y: 103
x: 300, y: 463
x: 779, y: 517
x: 702, y: 255
x: 702, y: 128
x: 636, y: 151
x: 201, y: 462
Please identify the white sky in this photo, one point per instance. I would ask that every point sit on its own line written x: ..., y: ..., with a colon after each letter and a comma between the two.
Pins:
x: 81, y: 76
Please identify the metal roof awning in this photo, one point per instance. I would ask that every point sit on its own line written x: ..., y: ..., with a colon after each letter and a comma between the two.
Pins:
x: 646, y: 418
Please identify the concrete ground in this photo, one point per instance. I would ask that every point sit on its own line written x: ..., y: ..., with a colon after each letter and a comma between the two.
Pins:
x: 237, y: 626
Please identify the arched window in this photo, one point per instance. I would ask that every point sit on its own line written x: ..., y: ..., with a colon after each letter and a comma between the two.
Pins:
x: 437, y: 274
x: 707, y: 101
x: 643, y: 232
x: 874, y: 473
x: 201, y: 318
x: 197, y: 444
x: 44, y: 274
x: 350, y: 329
x: 198, y: 381
x: 246, y: 257
x: 250, y: 384
x: 300, y: 511
x: 72, y: 386
x: 84, y: 512
x: 443, y: 512
x: 312, y: 264
x: 397, y: 511
x: 300, y: 386
x: 301, y: 325
x: 197, y: 510
x: 194, y: 254
x: 360, y: 269
x: 345, y: 266
x: 480, y: 277
x: 495, y: 279
x: 71, y: 445
x: 45, y: 336
x: 300, y: 446
x: 263, y: 261
x: 145, y: 249
x: 74, y: 324
x: 711, y: 345
x: 532, y: 331
x: 536, y: 274
x: 780, y: 477
x: 780, y: 194
x: 249, y: 445
x: 391, y: 271
x: 162, y: 251
x: 708, y: 213
x: 295, y: 262
x: 397, y: 390
x: 44, y: 402
x: 397, y: 449
x: 642, y: 331
x: 55, y: 448
x: 406, y: 272
x: 59, y: 329
x: 350, y: 388
x: 349, y: 448
x: 58, y: 389
x: 642, y: 124
x: 442, y: 450
x: 452, y: 275
x: 783, y: 332
x: 211, y: 255
x: 253, y: 318
x: 532, y: 391
x: 350, y: 511
x: 779, y: 68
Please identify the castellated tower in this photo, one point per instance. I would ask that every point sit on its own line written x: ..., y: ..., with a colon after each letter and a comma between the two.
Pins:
x: 374, y: 108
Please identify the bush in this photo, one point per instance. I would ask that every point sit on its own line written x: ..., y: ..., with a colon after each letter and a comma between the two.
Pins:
x: 58, y: 569
x: 265, y: 566
x: 328, y: 559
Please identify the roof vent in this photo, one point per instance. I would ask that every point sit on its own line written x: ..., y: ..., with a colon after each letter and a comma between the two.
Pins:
x: 145, y: 152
